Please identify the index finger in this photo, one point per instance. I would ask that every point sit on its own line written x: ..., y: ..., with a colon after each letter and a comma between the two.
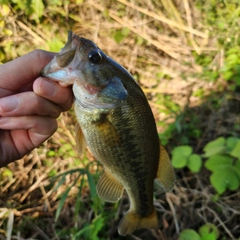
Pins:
x: 23, y: 70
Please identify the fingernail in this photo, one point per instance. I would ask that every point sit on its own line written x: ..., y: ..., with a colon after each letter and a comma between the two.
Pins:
x: 9, y: 104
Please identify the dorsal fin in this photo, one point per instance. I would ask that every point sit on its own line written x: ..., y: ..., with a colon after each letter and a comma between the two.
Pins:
x: 165, y: 173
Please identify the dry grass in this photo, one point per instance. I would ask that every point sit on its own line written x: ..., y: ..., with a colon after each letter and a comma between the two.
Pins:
x: 167, y: 32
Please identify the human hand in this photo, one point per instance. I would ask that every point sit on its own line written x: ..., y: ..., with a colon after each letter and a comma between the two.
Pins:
x: 29, y: 105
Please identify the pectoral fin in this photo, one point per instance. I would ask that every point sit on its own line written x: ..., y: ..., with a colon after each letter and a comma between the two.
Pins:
x: 109, y: 188
x: 165, y: 173
x: 80, y: 140
x: 108, y: 132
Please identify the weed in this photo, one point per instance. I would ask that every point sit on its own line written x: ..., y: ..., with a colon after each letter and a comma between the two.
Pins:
x: 223, y: 159
x: 206, y: 232
x: 182, y: 156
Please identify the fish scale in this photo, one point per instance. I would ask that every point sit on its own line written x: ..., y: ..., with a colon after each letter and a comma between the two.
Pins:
x: 116, y: 122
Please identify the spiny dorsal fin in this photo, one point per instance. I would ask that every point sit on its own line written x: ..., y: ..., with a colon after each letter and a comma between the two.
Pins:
x: 80, y: 140
x: 109, y: 188
x: 165, y: 173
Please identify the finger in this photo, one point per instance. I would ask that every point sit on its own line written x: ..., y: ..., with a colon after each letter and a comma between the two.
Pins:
x: 28, y: 103
x: 39, y: 124
x: 23, y: 70
x: 26, y: 134
x: 8, y: 151
x: 4, y: 92
x: 51, y: 90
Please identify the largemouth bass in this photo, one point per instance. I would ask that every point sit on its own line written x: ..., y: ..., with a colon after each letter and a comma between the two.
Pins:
x: 116, y: 122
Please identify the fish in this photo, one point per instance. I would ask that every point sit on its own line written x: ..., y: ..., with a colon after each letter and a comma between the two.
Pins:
x: 116, y: 122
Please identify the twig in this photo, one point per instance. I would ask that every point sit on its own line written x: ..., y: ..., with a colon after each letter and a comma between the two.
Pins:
x: 33, y: 187
x: 190, y: 25
x: 10, y: 225
x: 37, y: 39
x: 165, y: 20
x: 173, y: 212
x: 221, y: 223
x: 140, y: 33
x: 67, y: 132
x: 39, y: 231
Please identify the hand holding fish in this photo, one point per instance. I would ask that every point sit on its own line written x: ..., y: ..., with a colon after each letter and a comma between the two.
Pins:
x: 29, y: 105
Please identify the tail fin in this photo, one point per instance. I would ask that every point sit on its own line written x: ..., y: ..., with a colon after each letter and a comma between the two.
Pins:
x: 132, y: 221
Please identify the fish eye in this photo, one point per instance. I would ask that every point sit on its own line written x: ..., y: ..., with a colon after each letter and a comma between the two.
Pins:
x: 94, y: 56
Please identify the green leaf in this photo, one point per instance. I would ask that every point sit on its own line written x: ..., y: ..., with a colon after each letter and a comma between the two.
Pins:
x: 179, y: 161
x: 180, y: 156
x: 221, y: 180
x: 78, y: 201
x: 61, y: 182
x: 231, y: 142
x: 51, y: 153
x: 24, y: 5
x: 4, y: 1
x: 208, y: 232
x: 97, y: 225
x: 236, y: 79
x: 38, y: 8
x: 7, y: 173
x: 232, y: 50
x: 119, y: 36
x: 236, y: 151
x: 237, y: 168
x: 218, y: 162
x: 194, y: 163
x: 182, y: 150
x: 221, y: 24
x: 78, y: 2
x: 54, y: 2
x: 91, y: 185
x: 227, y: 75
x: 55, y: 44
x: 232, y: 59
x: 5, y: 10
x: 125, y: 31
x: 214, y: 147
x: 189, y: 234
x: 65, y: 194
x: 60, y: 205
x: 91, y: 231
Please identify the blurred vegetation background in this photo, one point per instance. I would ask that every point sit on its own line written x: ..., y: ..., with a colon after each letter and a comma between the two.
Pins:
x: 185, y: 55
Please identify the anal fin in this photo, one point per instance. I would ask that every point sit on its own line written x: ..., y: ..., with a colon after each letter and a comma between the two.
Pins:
x: 109, y: 188
x: 165, y: 173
